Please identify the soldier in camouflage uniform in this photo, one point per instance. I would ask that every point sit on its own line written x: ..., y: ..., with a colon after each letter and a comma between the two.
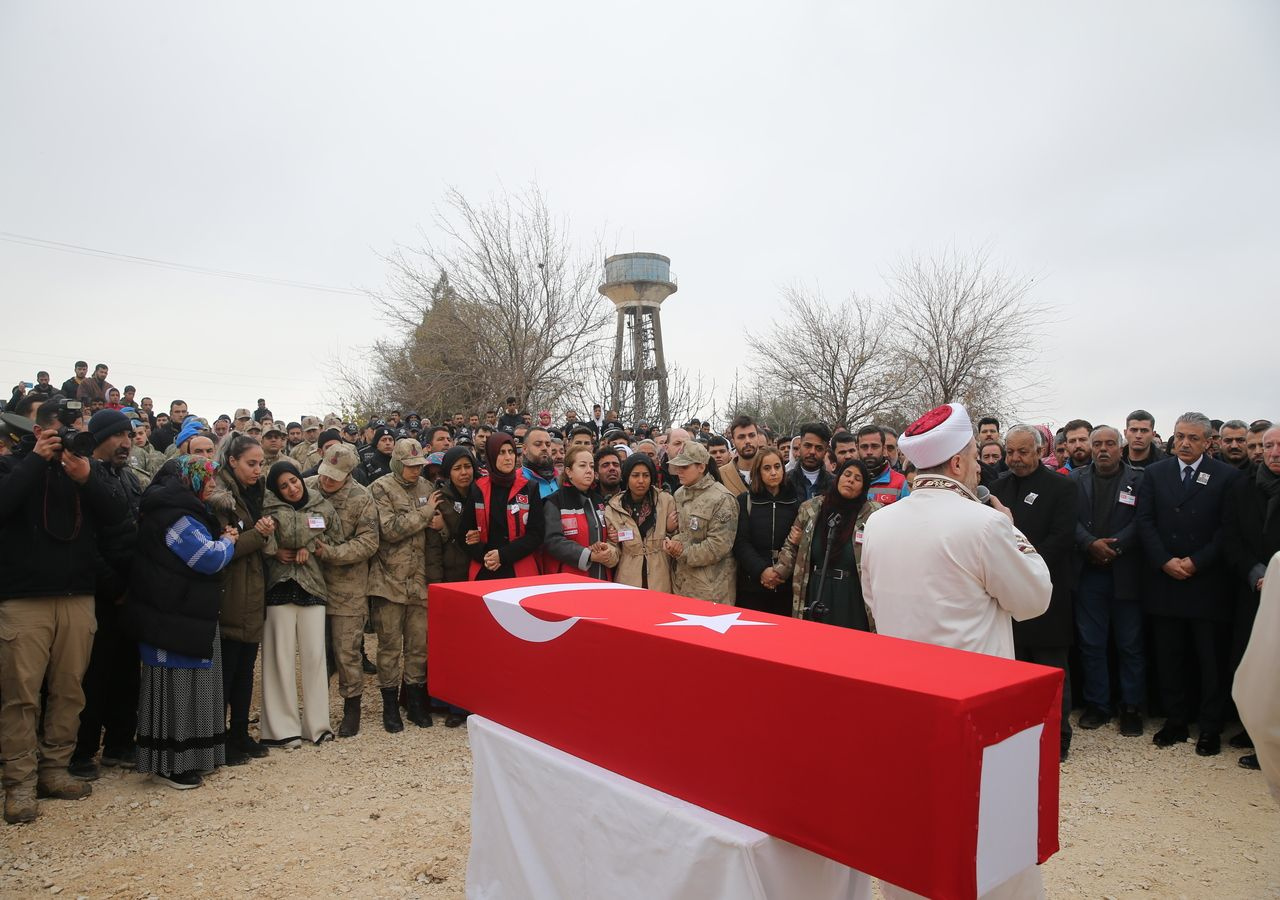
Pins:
x: 273, y: 438
x: 406, y: 504
x: 703, y: 547
x: 307, y: 454
x: 345, y: 562
x: 144, y: 459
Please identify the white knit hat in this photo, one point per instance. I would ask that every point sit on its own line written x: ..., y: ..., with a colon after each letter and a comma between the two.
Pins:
x: 937, y: 436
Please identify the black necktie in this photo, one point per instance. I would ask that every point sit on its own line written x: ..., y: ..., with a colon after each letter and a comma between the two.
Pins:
x: 1187, y: 473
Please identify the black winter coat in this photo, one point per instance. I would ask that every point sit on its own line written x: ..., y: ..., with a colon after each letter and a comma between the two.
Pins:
x: 1126, y: 571
x: 764, y: 522
x: 1175, y: 522
x: 1248, y: 539
x: 170, y: 605
x: 1044, y: 508
x: 49, y: 526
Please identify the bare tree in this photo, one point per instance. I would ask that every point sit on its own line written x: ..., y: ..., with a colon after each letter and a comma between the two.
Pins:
x: 503, y: 305
x: 836, y: 360
x: 967, y: 329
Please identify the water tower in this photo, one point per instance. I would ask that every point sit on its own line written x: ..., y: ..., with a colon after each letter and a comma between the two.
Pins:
x: 637, y: 283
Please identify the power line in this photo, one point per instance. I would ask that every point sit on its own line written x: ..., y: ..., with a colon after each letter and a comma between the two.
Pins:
x: 63, y: 247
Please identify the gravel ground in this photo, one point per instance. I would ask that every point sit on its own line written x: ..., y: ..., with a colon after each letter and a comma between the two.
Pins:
x: 384, y: 815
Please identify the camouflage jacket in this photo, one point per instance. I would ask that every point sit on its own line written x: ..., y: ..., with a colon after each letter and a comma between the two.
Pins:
x: 146, y: 460
x: 706, y: 568
x: 298, y: 529
x: 793, y: 559
x: 398, y: 571
x: 306, y: 455
x: 347, y: 548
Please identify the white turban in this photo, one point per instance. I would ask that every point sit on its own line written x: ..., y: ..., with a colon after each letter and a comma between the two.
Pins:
x: 937, y: 436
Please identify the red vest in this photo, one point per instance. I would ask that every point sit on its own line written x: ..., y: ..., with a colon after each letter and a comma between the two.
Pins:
x: 576, y: 525
x: 891, y: 491
x: 517, y: 523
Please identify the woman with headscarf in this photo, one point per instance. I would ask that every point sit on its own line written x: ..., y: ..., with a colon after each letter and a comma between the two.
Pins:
x: 447, y: 558
x: 638, y: 519
x: 293, y: 632
x: 766, y: 513
x: 502, y: 526
x: 823, y: 552
x: 574, y: 521
x: 238, y: 500
x: 172, y: 608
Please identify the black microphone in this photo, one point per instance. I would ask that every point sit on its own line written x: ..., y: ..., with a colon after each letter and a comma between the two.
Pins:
x: 834, y: 521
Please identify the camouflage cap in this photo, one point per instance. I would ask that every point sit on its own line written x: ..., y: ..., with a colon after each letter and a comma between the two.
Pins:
x: 408, y: 452
x: 310, y: 423
x: 692, y: 453
x: 338, y: 461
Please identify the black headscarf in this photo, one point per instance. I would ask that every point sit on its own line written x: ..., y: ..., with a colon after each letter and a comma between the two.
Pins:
x: 833, y: 502
x: 451, y: 457
x: 278, y: 471
x: 645, y: 512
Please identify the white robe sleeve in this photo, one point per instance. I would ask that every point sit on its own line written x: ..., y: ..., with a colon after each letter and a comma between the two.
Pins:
x: 1014, y: 574
x: 1257, y: 685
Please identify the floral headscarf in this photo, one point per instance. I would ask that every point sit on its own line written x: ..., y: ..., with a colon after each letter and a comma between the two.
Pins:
x: 194, y: 471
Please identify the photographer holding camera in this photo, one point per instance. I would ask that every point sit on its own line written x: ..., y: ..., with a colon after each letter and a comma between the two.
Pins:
x: 52, y: 502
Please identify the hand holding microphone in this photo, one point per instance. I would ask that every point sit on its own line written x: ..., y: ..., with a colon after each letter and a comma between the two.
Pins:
x: 990, y: 499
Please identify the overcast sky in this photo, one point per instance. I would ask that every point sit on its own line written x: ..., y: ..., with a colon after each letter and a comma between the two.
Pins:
x: 1123, y: 153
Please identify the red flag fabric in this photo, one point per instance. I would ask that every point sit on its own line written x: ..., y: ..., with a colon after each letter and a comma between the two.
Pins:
x: 866, y: 749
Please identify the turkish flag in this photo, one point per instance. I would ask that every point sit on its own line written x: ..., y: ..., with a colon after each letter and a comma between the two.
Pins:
x: 866, y: 749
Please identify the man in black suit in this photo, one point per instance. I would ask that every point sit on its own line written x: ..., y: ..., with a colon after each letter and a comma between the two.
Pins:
x: 1044, y: 509
x: 1180, y: 522
x: 1250, y: 537
x: 1107, y: 599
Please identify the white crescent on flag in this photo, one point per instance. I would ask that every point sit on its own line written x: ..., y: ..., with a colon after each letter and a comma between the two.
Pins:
x: 504, y: 606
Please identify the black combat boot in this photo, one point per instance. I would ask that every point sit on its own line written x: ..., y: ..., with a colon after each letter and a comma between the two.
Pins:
x: 419, y: 713
x: 391, y: 711
x: 350, y: 726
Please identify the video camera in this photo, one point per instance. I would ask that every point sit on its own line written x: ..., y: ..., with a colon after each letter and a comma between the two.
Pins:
x: 81, y: 443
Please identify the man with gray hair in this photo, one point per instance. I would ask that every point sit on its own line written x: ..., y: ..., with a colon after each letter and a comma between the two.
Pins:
x: 1109, y: 560
x: 1044, y: 508
x: 1180, y: 514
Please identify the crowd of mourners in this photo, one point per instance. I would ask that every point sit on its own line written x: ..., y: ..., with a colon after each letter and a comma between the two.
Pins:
x: 149, y: 557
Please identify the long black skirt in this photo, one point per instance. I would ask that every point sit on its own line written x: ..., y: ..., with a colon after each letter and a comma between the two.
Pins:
x: 182, y: 718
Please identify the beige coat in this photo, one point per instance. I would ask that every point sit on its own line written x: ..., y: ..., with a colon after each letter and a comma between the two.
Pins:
x: 347, y: 549
x: 708, y: 526
x: 730, y: 478
x: 398, y: 571
x: 629, y: 558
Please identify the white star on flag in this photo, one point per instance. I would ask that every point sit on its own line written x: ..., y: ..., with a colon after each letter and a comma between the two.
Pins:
x: 720, y: 623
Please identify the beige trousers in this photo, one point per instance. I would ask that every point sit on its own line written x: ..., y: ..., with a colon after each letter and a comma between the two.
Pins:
x: 402, y: 642
x: 42, y: 639
x: 292, y: 635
